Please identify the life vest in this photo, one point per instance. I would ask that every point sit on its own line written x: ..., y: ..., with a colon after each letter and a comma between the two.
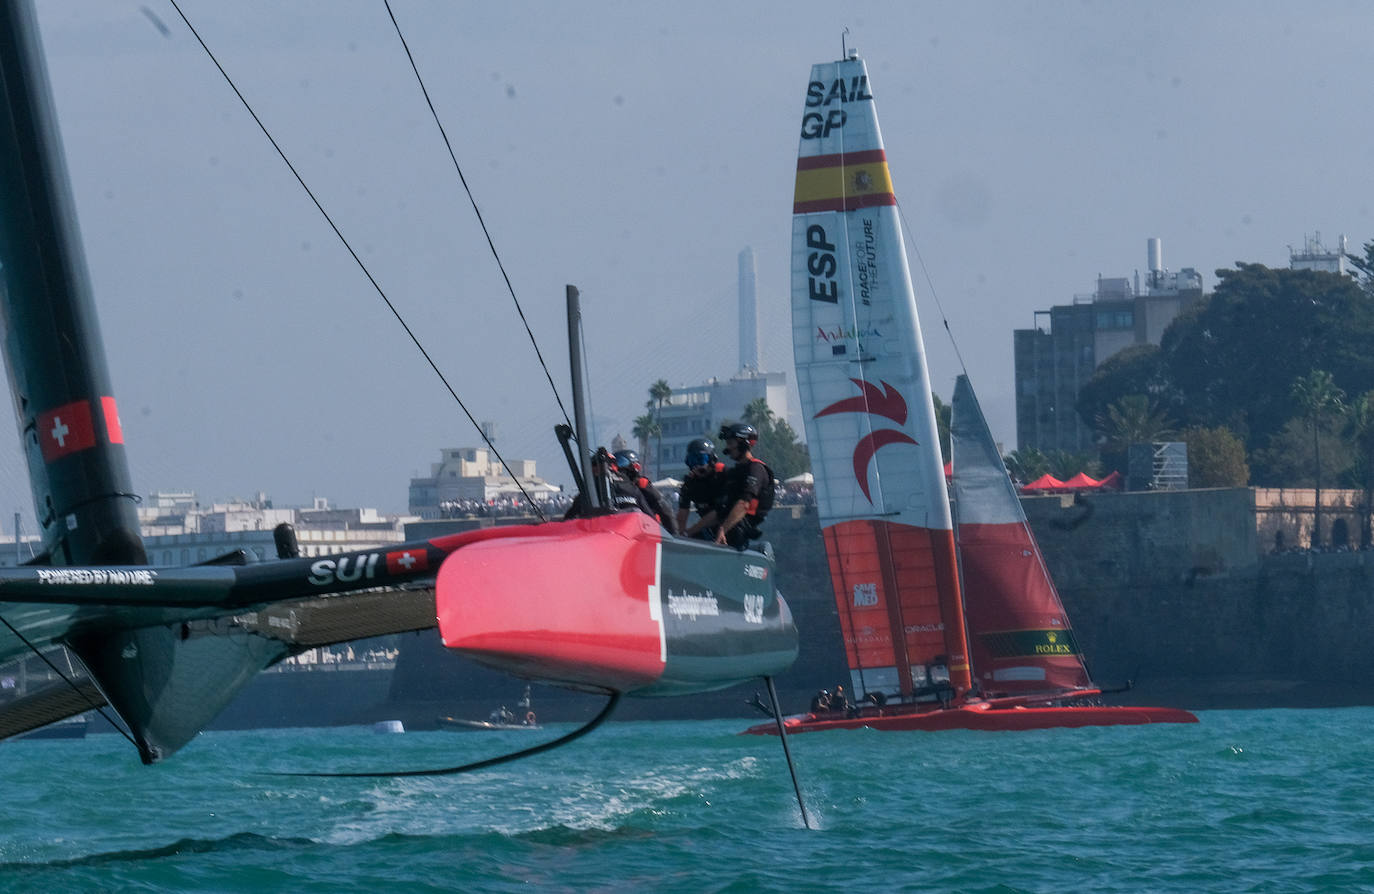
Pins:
x: 757, y: 508
x: 766, y: 496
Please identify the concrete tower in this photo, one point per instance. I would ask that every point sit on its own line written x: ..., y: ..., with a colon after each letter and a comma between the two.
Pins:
x: 748, y: 312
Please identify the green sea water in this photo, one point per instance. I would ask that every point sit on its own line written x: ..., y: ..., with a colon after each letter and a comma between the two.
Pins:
x: 1271, y: 801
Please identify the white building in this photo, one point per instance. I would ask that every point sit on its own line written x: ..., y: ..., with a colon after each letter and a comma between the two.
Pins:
x: 177, y: 530
x: 1315, y: 256
x: 698, y: 411
x: 474, y: 474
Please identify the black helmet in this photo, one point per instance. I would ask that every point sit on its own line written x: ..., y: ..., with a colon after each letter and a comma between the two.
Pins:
x: 627, y: 461
x: 740, y: 430
x: 700, y: 452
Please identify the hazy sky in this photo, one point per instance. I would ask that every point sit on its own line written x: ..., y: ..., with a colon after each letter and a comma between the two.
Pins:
x: 633, y: 149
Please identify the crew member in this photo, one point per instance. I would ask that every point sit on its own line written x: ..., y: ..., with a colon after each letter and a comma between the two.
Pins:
x: 625, y: 494
x: 627, y: 464
x: 749, y: 488
x: 702, y: 489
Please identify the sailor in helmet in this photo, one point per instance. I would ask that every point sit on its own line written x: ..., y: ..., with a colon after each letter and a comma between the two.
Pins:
x: 627, y: 464
x: 749, y: 488
x: 701, y: 490
x: 626, y: 492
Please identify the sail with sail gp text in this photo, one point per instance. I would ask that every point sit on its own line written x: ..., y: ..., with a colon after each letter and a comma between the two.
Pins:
x: 816, y: 125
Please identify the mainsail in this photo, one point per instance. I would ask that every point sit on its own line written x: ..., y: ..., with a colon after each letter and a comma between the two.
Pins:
x: 1019, y: 635
x: 866, y: 397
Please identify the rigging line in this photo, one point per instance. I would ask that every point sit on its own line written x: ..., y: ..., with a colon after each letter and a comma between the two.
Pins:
x: 359, y: 261
x: 489, y: 762
x: 99, y: 709
x: 944, y: 318
x: 475, y: 210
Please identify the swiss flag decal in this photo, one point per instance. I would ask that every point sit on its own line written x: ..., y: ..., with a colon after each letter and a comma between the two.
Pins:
x: 66, y: 430
x: 407, y: 561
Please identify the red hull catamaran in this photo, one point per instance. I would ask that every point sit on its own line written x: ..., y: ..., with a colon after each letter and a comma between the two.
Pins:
x: 945, y: 626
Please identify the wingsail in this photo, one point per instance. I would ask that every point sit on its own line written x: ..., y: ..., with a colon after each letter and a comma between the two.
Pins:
x: 1020, y: 639
x: 865, y: 393
x: 880, y: 484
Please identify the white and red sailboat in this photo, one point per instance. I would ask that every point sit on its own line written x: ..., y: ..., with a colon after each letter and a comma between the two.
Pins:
x: 945, y: 626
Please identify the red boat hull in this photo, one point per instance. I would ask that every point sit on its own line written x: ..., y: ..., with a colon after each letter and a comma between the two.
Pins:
x: 981, y: 717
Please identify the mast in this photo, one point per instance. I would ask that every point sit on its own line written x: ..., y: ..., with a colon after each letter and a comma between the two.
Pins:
x: 67, y: 417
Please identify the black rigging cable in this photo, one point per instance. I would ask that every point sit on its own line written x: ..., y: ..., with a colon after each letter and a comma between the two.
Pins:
x: 359, y: 261
x: 911, y: 240
x: 489, y: 762
x: 475, y: 210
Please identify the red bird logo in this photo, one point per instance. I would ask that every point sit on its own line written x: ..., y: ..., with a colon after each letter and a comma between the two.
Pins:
x: 887, y: 403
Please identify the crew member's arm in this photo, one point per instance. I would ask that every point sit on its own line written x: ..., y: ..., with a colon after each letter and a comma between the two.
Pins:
x: 737, y: 512
x: 704, y: 521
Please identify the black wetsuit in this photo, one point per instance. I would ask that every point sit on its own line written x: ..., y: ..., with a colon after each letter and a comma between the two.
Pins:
x: 657, y: 505
x: 751, y: 481
x: 703, y: 493
x: 629, y: 496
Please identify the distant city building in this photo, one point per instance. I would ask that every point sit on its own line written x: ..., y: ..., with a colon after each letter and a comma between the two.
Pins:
x: 177, y: 530
x: 1315, y: 256
x: 1057, y: 357
x: 473, y: 473
x: 696, y: 411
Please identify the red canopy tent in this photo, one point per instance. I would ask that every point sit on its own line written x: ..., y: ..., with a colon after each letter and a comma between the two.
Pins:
x: 1081, y: 481
x: 1045, y: 484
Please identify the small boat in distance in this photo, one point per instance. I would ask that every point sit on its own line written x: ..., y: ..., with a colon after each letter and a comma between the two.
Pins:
x: 944, y: 627
x: 503, y: 718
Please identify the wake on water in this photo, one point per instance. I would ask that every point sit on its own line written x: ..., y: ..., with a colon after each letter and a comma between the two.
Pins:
x: 1245, y: 800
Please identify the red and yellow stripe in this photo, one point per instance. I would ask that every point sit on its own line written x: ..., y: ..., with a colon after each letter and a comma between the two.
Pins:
x: 842, y: 182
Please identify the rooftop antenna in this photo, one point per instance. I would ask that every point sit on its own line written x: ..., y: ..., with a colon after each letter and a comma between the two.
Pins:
x: 844, y: 50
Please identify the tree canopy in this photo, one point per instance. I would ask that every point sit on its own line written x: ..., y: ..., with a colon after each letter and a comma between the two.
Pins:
x: 1216, y: 458
x: 778, y: 444
x: 1233, y: 357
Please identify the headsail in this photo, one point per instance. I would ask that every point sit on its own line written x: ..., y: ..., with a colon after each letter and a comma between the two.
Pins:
x: 1019, y: 636
x: 866, y: 398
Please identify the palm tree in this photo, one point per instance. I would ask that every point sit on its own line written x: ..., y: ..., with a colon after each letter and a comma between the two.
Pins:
x: 1318, y: 397
x: 1134, y: 419
x: 1026, y: 464
x: 658, y: 393
x: 646, y: 427
x: 758, y: 414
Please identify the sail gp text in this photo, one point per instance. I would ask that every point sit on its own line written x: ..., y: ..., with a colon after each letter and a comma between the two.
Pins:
x: 816, y: 125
